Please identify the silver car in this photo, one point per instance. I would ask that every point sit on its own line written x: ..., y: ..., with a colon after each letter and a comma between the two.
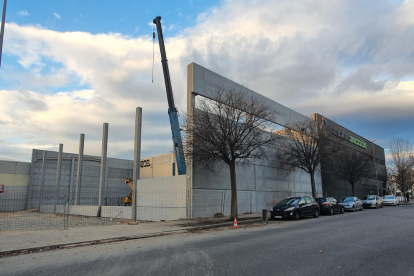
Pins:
x: 351, y: 203
x: 390, y: 200
x: 372, y: 201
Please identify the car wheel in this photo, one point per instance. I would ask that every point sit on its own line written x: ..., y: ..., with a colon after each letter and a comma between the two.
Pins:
x: 316, y: 214
x: 331, y: 212
x: 382, y: 205
x: 342, y: 210
x: 362, y: 208
x: 353, y: 208
x: 376, y: 206
x: 296, y: 215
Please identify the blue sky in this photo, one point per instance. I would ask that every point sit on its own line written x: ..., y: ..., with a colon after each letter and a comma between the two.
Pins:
x: 69, y: 66
x: 97, y: 16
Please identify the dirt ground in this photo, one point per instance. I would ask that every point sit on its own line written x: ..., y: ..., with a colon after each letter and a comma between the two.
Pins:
x: 32, y: 220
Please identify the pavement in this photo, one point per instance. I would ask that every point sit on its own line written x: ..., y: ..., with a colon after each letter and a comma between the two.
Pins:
x: 371, y: 242
x: 18, y: 243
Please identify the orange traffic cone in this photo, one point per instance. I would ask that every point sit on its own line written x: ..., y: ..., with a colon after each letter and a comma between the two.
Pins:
x: 235, y: 223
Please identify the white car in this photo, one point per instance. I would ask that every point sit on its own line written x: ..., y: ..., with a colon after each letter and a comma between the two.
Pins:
x: 390, y: 200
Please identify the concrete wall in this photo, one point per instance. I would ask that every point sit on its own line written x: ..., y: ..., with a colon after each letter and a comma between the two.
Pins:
x: 204, y: 82
x: 116, y: 188
x: 259, y: 185
x: 161, y: 198
x: 14, y: 174
x: 15, y: 178
x: 79, y: 210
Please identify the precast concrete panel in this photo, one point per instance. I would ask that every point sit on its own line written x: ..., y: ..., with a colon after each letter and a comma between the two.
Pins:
x: 260, y: 183
x: 205, y: 82
x: 117, y: 172
x: 8, y: 167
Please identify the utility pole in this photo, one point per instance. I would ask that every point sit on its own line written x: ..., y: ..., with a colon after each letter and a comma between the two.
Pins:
x: 3, y: 22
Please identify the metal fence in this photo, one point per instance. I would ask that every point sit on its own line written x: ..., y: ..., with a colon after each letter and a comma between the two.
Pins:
x: 20, y: 211
x: 23, y: 211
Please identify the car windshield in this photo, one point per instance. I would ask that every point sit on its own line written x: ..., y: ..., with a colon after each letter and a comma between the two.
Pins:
x: 389, y: 197
x: 347, y: 199
x: 321, y: 200
x: 368, y: 198
x: 289, y: 201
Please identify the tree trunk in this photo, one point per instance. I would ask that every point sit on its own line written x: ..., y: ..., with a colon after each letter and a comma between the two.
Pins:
x: 233, y: 190
x: 353, y: 188
x: 312, y: 175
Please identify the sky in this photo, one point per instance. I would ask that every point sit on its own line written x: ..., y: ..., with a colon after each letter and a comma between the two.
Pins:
x: 70, y: 66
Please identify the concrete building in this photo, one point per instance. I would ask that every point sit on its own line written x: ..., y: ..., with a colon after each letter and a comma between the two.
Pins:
x: 373, y: 183
x: 14, y: 176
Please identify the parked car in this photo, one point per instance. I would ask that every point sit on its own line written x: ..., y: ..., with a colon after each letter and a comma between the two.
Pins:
x: 371, y: 201
x: 390, y: 200
x: 330, y: 205
x: 296, y: 207
x: 351, y: 203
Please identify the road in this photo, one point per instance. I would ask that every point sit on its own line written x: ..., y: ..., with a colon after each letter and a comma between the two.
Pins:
x: 369, y: 242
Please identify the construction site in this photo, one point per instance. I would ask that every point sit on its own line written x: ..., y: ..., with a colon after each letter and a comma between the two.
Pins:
x: 58, y: 189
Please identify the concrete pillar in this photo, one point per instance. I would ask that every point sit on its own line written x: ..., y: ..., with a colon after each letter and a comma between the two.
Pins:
x: 72, y: 172
x: 102, y: 178
x: 104, y: 198
x: 190, y: 112
x: 31, y: 177
x: 137, y: 158
x: 58, y: 171
x: 79, y: 174
x: 42, y: 183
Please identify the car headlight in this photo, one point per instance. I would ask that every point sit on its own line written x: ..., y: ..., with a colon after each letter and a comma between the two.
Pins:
x: 290, y: 209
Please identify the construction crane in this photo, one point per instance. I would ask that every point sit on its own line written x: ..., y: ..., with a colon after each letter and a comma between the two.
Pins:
x: 172, y: 110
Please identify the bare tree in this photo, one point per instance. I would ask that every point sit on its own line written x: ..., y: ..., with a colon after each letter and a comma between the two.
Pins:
x: 305, y: 146
x: 351, y: 165
x: 232, y: 127
x: 401, y: 163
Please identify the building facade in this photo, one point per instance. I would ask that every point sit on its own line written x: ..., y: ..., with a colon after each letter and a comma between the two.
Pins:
x: 372, y: 183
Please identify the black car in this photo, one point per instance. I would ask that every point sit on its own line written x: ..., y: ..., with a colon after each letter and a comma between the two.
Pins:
x: 296, y: 207
x: 330, y: 205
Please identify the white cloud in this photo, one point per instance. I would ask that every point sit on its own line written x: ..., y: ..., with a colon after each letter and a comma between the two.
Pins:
x: 56, y: 15
x: 337, y: 58
x: 23, y: 13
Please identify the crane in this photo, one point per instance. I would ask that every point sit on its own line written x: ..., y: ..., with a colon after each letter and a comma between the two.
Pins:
x: 172, y: 110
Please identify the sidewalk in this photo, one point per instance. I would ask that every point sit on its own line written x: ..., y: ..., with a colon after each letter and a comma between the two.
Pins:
x: 38, y: 241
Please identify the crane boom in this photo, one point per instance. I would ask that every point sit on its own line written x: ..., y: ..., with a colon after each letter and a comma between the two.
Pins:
x: 172, y: 110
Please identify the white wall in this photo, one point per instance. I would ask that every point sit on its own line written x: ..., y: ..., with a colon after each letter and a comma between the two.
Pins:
x: 161, y: 198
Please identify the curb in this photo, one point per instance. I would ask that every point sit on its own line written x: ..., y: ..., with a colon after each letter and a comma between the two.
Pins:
x: 40, y: 249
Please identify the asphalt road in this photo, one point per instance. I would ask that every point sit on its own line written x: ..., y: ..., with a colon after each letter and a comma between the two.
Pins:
x: 371, y: 242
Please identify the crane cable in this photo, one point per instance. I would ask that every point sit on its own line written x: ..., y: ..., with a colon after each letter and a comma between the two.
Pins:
x: 153, y: 45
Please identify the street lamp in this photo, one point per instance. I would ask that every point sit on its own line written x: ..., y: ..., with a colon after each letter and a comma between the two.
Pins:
x: 375, y: 166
